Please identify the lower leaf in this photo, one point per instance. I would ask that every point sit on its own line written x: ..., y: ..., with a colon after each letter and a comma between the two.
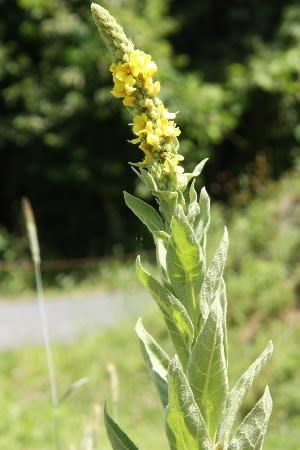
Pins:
x: 186, y: 428
x: 118, y: 439
x: 156, y: 360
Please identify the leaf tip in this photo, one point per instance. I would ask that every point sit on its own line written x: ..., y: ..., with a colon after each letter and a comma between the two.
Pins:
x: 139, y: 325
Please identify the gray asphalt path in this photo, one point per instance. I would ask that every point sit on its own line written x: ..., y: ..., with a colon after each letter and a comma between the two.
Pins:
x: 68, y: 318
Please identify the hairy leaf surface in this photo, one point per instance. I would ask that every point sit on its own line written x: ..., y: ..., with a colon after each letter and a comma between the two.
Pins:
x: 251, y: 432
x: 156, y: 360
x: 167, y: 203
x: 177, y: 319
x: 147, y: 215
x: 207, y: 371
x: 193, y: 207
x: 185, y: 263
x: 238, y: 392
x: 213, y: 275
x: 186, y: 428
x: 201, y: 225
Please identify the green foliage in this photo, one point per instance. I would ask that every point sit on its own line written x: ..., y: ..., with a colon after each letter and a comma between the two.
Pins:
x: 54, y: 86
x: 54, y: 83
x: 268, y: 228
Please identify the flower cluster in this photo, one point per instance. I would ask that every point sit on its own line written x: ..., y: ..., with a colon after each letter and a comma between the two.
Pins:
x: 134, y: 78
x: 153, y: 125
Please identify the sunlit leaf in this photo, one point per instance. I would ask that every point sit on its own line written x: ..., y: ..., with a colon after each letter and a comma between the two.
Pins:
x: 213, y: 275
x: 202, y: 222
x: 156, y: 360
x: 207, y: 371
x: 185, y: 263
x: 186, y: 428
x: 177, y: 319
x: 147, y: 215
x: 251, y: 432
x: 238, y: 392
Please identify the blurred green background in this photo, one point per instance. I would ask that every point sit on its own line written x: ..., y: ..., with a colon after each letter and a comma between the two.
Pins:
x: 232, y: 69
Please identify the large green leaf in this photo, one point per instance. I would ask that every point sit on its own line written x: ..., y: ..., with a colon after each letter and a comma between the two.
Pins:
x: 118, y: 439
x: 185, y: 263
x: 144, y: 212
x: 176, y: 317
x: 186, y: 428
x: 238, y: 392
x: 156, y: 360
x: 251, y: 432
x: 207, y: 371
x: 213, y: 276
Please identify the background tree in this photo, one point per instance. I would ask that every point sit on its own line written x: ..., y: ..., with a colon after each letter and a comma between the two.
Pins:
x: 234, y: 71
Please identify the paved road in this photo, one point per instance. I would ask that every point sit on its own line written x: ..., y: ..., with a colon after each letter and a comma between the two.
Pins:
x: 67, y: 317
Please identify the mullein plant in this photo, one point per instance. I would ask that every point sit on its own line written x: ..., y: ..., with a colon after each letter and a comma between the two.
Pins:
x: 200, y: 408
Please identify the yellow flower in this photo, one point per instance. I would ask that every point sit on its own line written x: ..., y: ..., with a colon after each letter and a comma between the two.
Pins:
x: 139, y: 123
x: 171, y: 164
x: 153, y: 139
x: 141, y: 64
x: 151, y: 88
x: 129, y: 101
x: 153, y: 124
x: 123, y: 80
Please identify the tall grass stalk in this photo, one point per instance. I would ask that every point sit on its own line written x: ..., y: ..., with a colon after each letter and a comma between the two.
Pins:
x: 114, y: 389
x: 36, y: 259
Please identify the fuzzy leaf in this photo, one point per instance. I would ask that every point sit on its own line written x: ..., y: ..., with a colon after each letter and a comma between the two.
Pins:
x: 198, y: 169
x: 213, y: 275
x: 238, y: 392
x: 185, y: 425
x: 221, y: 298
x: 193, y: 207
x: 146, y: 178
x: 185, y: 263
x: 202, y: 222
x: 156, y: 360
x: 167, y: 203
x: 147, y: 215
x: 176, y: 317
x: 118, y: 439
x: 193, y: 193
x: 251, y: 432
x: 207, y: 371
x: 161, y: 239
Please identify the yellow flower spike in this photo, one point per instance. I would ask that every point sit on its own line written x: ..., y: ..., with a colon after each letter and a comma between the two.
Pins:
x: 153, y: 124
